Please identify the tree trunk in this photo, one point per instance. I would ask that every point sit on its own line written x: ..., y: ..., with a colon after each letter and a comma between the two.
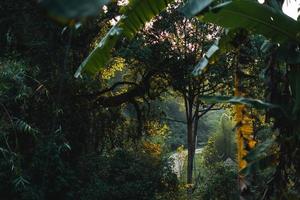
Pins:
x: 191, y: 152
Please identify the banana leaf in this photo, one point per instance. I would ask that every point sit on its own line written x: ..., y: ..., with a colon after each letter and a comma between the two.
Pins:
x: 135, y: 15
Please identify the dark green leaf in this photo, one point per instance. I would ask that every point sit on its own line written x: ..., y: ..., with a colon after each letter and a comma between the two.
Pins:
x: 24, y: 127
x: 261, y: 150
x: 193, y: 7
x: 255, y: 17
x: 100, y: 56
x: 135, y: 15
x: 260, y: 164
x: 289, y: 53
x: 239, y: 100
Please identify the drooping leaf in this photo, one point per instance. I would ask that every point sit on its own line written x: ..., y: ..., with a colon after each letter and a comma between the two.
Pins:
x: 203, y: 63
x: 222, y: 45
x: 259, y: 165
x: 255, y: 103
x: 260, y: 151
x: 139, y: 12
x: 100, y: 56
x: 135, y: 15
x: 64, y: 147
x: 255, y: 17
x: 266, y: 46
x: 20, y: 181
x: 24, y: 127
x: 261, y: 157
x: 200, y: 67
x: 193, y: 7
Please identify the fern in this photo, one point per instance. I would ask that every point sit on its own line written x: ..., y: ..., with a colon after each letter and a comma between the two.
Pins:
x: 23, y: 127
x: 20, y: 182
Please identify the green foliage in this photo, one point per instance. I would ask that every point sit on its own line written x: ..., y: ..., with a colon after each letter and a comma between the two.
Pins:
x: 217, y: 178
x: 128, y: 175
x: 175, y: 117
x: 261, y: 165
x: 24, y: 127
x: 47, y: 176
x: 50, y: 124
x: 134, y: 17
x: 12, y: 85
x: 225, y: 139
x: 123, y: 174
x: 219, y: 182
x: 261, y: 157
x: 57, y: 142
x: 221, y: 145
x: 257, y: 18
x: 100, y: 56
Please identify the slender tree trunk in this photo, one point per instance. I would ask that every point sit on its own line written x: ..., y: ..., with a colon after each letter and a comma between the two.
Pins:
x: 191, y: 151
x: 191, y: 154
x: 192, y: 118
x: 195, y: 125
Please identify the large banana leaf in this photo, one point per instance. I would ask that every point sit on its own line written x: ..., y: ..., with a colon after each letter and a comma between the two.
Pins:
x: 255, y: 17
x: 255, y: 103
x: 135, y: 15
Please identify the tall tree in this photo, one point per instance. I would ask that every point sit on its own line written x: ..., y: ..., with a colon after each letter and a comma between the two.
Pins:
x: 176, y: 50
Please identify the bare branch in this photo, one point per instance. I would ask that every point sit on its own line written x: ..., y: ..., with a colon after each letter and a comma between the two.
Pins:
x: 110, y: 89
x: 204, y: 111
x: 174, y: 120
x: 138, y: 91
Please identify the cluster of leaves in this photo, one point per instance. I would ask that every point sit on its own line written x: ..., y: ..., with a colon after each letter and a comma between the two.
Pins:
x: 218, y: 174
x: 50, y: 124
x: 127, y: 174
x: 26, y: 102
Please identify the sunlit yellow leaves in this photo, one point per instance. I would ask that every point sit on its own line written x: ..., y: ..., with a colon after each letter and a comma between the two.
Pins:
x: 188, y: 186
x: 242, y: 164
x: 152, y: 149
x: 251, y: 144
x: 244, y: 129
x: 180, y: 149
x: 154, y: 128
x: 116, y: 66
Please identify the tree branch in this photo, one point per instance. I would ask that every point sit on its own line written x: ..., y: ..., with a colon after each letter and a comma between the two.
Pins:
x: 174, y: 120
x: 204, y: 111
x: 139, y: 91
x: 110, y: 89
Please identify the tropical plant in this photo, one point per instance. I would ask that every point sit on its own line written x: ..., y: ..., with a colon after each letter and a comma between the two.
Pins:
x: 134, y: 17
x: 217, y: 177
x: 51, y: 122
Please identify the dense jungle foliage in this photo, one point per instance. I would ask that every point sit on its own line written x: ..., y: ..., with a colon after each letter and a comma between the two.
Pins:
x: 149, y: 99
